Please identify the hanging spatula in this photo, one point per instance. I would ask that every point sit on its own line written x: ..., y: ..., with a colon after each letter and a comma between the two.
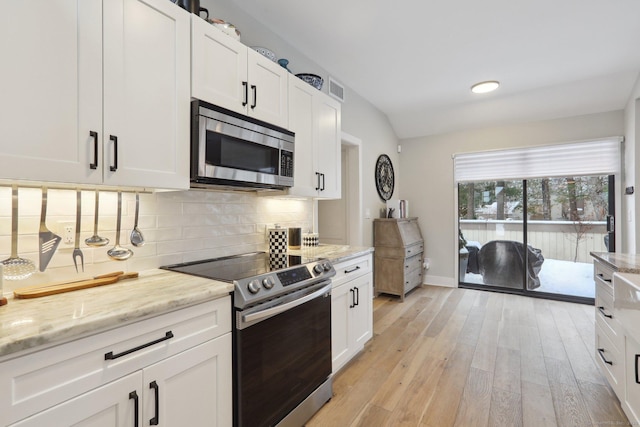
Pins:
x: 48, y: 240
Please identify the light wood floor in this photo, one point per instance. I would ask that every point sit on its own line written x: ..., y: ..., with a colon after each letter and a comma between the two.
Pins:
x: 459, y: 357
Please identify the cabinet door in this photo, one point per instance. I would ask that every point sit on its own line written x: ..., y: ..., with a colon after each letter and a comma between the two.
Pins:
x: 632, y: 380
x: 219, y: 67
x: 301, y: 121
x: 327, y: 116
x: 51, y: 88
x: 146, y: 93
x: 267, y: 90
x: 362, y: 315
x: 192, y: 388
x: 111, y: 405
x: 341, y: 302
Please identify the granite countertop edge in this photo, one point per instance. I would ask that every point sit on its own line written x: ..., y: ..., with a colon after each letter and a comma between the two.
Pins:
x: 619, y: 262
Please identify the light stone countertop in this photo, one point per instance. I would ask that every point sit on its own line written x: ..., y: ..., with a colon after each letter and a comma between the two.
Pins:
x: 27, y: 323
x: 619, y: 262
x: 334, y: 253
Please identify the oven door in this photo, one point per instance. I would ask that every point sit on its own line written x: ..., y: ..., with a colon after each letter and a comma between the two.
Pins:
x: 282, y: 357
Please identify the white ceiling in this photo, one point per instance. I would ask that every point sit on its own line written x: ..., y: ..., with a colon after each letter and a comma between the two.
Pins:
x: 415, y: 60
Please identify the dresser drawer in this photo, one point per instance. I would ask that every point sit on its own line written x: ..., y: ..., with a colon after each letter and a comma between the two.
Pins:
x: 413, y: 263
x: 414, y: 250
x: 44, y: 378
x: 412, y: 279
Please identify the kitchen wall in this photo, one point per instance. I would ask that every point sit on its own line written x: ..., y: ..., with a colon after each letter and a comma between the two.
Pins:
x: 178, y: 226
x: 359, y: 118
x: 632, y: 158
x: 427, y: 174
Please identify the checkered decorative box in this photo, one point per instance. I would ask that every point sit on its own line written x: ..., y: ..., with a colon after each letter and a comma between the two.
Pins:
x: 278, y: 241
x: 310, y: 239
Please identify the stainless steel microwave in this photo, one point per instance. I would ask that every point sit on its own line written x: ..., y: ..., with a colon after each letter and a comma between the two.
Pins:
x: 229, y: 149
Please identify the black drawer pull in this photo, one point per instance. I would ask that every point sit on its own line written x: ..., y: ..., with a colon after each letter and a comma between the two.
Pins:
x: 254, y: 89
x: 601, y: 353
x: 94, y: 135
x: 357, y: 296
x: 356, y: 268
x: 111, y: 356
x: 353, y: 298
x: 600, y: 275
x: 637, y: 377
x: 601, y: 310
x: 156, y: 419
x: 136, y: 407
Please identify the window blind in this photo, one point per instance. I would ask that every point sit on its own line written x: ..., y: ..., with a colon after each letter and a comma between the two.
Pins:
x: 598, y: 157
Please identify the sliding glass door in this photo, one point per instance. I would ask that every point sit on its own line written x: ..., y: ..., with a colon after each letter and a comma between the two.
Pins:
x: 535, y: 235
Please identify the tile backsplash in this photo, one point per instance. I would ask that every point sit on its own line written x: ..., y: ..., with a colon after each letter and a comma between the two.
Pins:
x: 178, y: 226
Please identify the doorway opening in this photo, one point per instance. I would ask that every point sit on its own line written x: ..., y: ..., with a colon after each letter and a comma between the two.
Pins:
x: 340, y: 221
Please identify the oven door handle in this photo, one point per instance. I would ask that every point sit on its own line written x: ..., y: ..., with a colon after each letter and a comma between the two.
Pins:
x: 270, y: 312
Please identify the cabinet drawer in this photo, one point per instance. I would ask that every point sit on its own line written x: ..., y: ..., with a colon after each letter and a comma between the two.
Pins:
x: 414, y: 250
x: 605, y: 316
x: 610, y: 360
x: 604, y: 275
x: 351, y: 269
x: 47, y: 377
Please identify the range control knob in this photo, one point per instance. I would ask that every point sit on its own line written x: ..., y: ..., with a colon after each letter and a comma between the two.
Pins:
x: 318, y: 269
x: 326, y: 266
x: 268, y: 282
x: 254, y: 286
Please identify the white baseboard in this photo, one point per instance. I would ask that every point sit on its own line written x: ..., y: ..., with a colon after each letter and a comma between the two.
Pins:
x: 448, y: 282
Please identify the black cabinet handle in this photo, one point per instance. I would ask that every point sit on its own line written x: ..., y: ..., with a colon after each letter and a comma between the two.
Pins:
x: 136, y: 407
x: 608, y: 362
x: 356, y: 268
x: 601, y: 310
x: 255, y: 96
x: 600, y: 275
x: 114, y: 167
x: 317, y: 181
x: 357, y: 296
x: 637, y: 377
x: 94, y: 135
x: 322, y: 189
x: 353, y: 298
x: 246, y: 93
x: 111, y: 356
x: 156, y: 419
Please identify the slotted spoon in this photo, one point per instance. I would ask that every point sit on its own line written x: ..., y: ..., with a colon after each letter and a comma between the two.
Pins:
x: 14, y: 267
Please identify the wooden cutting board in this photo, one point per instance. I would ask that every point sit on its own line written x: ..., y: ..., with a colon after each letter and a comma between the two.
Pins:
x: 60, y: 287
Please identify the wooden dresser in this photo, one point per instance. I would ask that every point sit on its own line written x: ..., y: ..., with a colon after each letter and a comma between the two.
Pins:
x: 399, y: 253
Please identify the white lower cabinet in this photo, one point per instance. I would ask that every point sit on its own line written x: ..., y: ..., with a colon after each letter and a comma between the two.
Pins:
x: 169, y: 370
x: 632, y: 380
x: 351, y: 309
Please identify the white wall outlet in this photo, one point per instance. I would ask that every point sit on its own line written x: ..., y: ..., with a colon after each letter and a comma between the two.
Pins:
x: 426, y: 264
x: 67, y: 231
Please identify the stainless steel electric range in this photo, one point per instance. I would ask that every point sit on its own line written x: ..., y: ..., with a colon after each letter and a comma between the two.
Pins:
x: 281, y: 334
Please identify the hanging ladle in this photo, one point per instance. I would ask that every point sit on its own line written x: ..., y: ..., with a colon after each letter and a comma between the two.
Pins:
x: 96, y: 240
x: 14, y: 267
x: 119, y: 253
x: 137, y: 239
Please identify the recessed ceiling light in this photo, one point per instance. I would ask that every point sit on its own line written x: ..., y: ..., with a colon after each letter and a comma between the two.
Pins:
x: 484, y: 87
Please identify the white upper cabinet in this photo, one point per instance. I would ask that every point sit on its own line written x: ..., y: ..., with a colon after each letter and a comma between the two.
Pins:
x: 228, y: 74
x: 61, y: 101
x: 315, y: 119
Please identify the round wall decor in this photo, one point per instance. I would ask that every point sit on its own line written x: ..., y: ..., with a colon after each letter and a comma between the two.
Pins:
x: 384, y: 177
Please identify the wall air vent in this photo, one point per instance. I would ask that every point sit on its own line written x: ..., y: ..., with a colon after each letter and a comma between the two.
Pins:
x: 336, y: 89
